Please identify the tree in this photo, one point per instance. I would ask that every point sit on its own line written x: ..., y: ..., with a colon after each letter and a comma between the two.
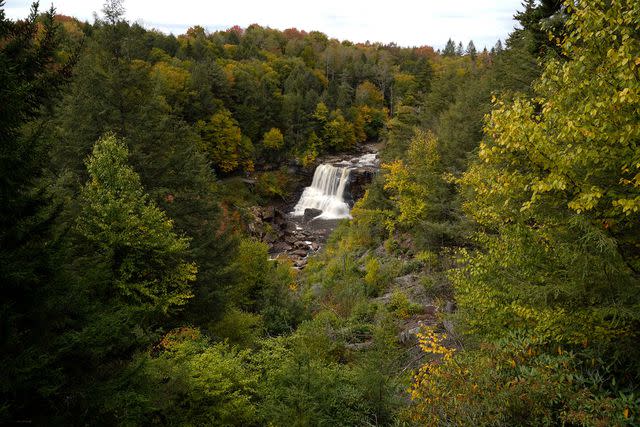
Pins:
x: 124, y: 274
x: 338, y: 132
x: 31, y: 78
x: 498, y: 47
x: 414, y: 185
x: 273, y: 139
x: 113, y: 11
x: 188, y: 379
x: 113, y: 90
x: 131, y: 235
x: 368, y: 94
x: 32, y: 72
x: 548, y: 303
x: 471, y: 50
x: 542, y: 25
x: 223, y: 142
x: 449, y: 48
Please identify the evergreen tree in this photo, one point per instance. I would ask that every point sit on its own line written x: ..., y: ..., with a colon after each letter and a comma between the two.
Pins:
x: 114, y: 92
x: 32, y: 75
x: 471, y: 50
x: 125, y: 275
x: 449, y: 48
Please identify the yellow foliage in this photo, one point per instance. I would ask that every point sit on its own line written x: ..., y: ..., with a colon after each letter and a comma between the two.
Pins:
x: 414, y: 184
x: 273, y: 139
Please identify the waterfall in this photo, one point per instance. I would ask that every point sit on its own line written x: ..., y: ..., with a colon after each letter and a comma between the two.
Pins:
x: 326, y: 193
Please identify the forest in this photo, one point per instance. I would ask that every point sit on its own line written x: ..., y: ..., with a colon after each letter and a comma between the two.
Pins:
x: 488, y: 276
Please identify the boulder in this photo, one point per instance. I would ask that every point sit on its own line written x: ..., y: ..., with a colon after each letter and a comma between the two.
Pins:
x: 359, y: 180
x: 268, y: 213
x: 408, y: 336
x: 272, y: 237
x: 281, y: 247
x: 279, y: 217
x: 450, y: 307
x: 448, y: 326
x: 357, y: 346
x: 311, y: 213
x: 300, y: 264
x: 291, y: 239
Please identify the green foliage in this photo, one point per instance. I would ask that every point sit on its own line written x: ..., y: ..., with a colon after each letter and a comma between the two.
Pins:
x: 265, y: 287
x: 401, y: 306
x: 192, y: 381
x: 99, y: 262
x: 131, y: 235
x: 273, y: 139
x: 301, y: 388
x: 310, y: 153
x: 368, y: 94
x: 338, y: 132
x: 517, y: 381
x: 548, y: 301
x: 224, y: 144
x: 372, y: 277
x: 238, y: 327
x: 416, y: 187
x: 270, y: 185
x: 305, y: 383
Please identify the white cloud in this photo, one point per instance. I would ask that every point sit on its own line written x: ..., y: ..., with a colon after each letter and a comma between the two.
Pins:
x: 406, y: 22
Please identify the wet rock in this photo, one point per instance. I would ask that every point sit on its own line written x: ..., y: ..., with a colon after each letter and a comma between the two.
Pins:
x: 281, y: 247
x: 301, y: 263
x: 299, y: 252
x: 272, y: 237
x: 291, y: 239
x: 279, y: 217
x: 290, y: 227
x: 359, y: 180
x: 311, y: 213
x: 300, y: 245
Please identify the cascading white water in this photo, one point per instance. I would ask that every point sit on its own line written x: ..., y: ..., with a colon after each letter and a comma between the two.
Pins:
x: 326, y: 193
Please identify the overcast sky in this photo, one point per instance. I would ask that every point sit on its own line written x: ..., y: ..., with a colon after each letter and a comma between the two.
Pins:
x: 405, y: 22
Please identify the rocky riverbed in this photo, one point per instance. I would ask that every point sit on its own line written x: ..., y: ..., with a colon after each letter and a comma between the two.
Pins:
x: 290, y: 237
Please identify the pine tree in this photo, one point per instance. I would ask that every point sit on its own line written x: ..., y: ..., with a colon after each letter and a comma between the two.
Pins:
x: 471, y: 50
x: 31, y: 76
x: 114, y: 92
x: 126, y: 273
x: 449, y: 49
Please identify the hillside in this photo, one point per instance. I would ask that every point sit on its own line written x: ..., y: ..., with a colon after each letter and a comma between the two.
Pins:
x: 262, y: 227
